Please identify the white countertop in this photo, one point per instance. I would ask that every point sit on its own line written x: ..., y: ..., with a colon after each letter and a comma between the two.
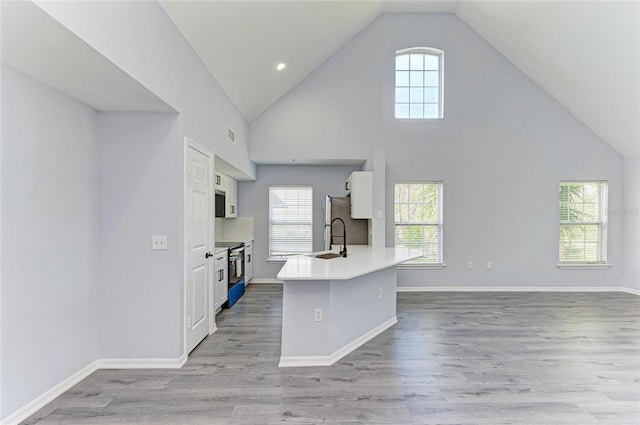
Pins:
x: 361, y: 260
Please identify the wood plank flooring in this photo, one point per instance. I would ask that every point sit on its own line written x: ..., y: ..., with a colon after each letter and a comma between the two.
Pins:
x: 453, y: 358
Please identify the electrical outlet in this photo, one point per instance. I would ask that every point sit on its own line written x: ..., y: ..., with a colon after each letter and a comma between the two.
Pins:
x: 379, y: 292
x: 317, y: 314
x: 470, y: 265
x: 159, y: 242
x: 489, y: 265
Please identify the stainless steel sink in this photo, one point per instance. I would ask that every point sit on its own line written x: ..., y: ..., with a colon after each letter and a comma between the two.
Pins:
x: 328, y: 255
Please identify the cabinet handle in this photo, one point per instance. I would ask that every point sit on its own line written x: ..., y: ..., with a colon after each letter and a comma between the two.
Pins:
x: 249, y: 260
x: 208, y: 254
x: 233, y: 209
x: 346, y: 186
x: 220, y: 258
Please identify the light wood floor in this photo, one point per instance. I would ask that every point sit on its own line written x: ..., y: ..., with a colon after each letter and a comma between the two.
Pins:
x: 453, y: 358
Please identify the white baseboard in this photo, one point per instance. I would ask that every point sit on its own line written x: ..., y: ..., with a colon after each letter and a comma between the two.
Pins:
x: 39, y: 402
x: 267, y: 280
x: 143, y: 363
x: 307, y: 361
x: 631, y: 291
x: 48, y: 396
x: 517, y: 289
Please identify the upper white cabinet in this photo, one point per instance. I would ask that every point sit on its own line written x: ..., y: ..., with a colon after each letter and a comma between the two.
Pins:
x: 220, y: 178
x: 229, y: 186
x: 359, y: 188
x: 231, y: 189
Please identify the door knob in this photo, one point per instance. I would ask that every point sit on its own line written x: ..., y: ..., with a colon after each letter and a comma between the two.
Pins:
x: 208, y: 254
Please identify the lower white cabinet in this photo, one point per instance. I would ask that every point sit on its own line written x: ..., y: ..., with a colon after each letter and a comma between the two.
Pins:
x: 248, y: 261
x: 221, y: 279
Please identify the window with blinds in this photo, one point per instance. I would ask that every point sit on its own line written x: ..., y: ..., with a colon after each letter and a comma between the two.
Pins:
x: 290, y: 220
x: 418, y: 220
x: 583, y: 222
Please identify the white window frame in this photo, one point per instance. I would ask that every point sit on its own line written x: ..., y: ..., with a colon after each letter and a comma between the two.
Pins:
x: 439, y: 224
x: 282, y: 256
x: 403, y: 86
x: 601, y: 223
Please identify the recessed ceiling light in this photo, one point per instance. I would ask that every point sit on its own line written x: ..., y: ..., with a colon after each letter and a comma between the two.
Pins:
x: 281, y: 66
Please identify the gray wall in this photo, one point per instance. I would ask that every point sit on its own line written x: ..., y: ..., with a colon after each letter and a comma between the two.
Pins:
x: 253, y: 201
x: 141, y: 313
x: 56, y: 304
x: 631, y: 219
x: 501, y: 150
x: 49, y: 282
x: 139, y: 38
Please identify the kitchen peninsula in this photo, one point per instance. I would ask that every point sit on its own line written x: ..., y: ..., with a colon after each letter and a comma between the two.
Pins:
x: 333, y: 306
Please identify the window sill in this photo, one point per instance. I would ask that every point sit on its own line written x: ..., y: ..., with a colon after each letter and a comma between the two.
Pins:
x: 410, y: 266
x: 277, y: 259
x: 583, y: 266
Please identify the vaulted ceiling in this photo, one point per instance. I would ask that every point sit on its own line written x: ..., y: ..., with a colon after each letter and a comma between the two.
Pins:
x: 584, y: 54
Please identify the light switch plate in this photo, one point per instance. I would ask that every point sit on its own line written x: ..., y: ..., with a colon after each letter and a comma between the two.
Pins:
x: 159, y: 242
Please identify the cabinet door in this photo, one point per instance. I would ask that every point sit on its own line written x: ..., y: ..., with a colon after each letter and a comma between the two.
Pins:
x: 222, y: 287
x: 360, y: 190
x: 232, y: 197
x: 248, y: 261
x: 222, y: 279
x: 219, y: 182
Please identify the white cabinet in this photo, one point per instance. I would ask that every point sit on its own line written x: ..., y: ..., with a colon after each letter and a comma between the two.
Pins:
x: 359, y: 188
x: 248, y: 261
x: 219, y: 182
x: 222, y: 279
x: 231, y: 199
x: 229, y: 186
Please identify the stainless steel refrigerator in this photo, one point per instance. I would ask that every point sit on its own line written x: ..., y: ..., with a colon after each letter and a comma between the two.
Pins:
x: 357, y: 229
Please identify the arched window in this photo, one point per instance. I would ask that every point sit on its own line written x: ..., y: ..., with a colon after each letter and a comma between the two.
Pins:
x: 419, y: 83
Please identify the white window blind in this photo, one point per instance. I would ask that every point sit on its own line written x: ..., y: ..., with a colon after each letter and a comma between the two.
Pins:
x: 290, y: 220
x: 419, y: 83
x: 583, y: 222
x: 418, y: 220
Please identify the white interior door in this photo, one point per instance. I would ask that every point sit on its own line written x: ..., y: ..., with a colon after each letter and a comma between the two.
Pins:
x: 199, y: 244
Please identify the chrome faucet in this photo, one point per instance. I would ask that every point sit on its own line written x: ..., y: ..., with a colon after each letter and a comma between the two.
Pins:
x: 343, y: 252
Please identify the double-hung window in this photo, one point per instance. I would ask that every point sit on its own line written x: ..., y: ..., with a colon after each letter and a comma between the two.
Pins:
x: 290, y: 220
x: 583, y: 222
x: 419, y: 83
x: 418, y: 220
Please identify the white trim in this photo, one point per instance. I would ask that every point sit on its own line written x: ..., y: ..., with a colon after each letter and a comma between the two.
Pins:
x: 48, y: 396
x: 57, y: 390
x: 518, y: 289
x: 150, y: 363
x: 266, y: 280
x: 583, y: 266
x: 421, y: 266
x: 277, y: 259
x: 306, y: 361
